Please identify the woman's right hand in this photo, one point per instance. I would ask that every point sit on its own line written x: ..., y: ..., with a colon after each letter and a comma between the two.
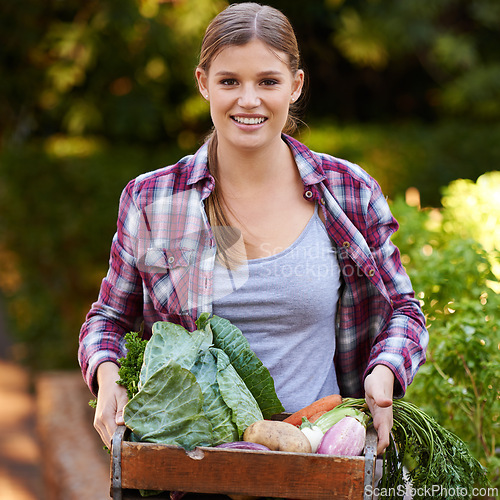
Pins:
x: 111, y: 399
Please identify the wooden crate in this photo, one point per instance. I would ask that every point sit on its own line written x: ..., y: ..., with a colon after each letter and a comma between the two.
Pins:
x: 208, y: 470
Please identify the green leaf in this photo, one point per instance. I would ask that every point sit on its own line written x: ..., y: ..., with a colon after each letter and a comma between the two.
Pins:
x: 235, y: 393
x: 254, y: 374
x: 170, y: 340
x: 168, y: 409
x: 214, y: 406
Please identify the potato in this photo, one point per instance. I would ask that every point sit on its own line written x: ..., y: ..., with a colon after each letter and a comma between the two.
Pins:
x: 277, y: 436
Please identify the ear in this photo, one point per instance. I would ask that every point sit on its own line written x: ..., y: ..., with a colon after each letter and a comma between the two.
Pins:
x: 202, y: 79
x: 297, y: 85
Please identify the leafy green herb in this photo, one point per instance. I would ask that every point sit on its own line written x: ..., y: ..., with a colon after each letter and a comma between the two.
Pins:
x: 437, y: 460
x: 130, y: 365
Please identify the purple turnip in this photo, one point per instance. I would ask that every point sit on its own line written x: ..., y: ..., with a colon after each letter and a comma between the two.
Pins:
x: 346, y: 438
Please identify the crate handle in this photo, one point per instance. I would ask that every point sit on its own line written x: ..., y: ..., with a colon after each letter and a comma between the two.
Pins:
x: 116, y: 467
x: 370, y: 458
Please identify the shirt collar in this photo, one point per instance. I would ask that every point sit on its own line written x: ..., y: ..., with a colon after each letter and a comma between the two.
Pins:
x: 197, y: 166
x: 309, y: 167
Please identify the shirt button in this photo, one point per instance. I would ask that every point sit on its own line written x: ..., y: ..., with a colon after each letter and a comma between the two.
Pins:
x: 346, y: 244
x: 309, y: 194
x: 322, y: 201
x: 371, y: 272
x: 171, y: 259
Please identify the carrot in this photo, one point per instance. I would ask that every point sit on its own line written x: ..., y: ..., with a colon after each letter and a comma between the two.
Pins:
x: 315, y: 417
x: 325, y: 404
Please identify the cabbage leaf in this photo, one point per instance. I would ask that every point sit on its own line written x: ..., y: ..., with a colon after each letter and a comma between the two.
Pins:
x: 250, y: 368
x: 219, y: 413
x: 235, y: 393
x: 168, y: 409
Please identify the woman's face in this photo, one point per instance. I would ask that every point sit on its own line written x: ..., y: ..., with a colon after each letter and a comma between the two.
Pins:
x: 250, y: 89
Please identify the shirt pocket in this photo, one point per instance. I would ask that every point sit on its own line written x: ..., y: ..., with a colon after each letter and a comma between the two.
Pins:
x: 169, y: 277
x: 162, y: 260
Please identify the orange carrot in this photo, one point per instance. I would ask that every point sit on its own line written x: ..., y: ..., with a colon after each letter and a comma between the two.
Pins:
x: 315, y: 417
x: 324, y: 404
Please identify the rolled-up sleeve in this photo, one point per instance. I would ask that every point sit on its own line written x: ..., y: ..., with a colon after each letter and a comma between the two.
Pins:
x: 119, y: 303
x: 402, y: 344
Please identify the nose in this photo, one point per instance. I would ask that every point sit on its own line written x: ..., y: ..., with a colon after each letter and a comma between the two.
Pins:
x: 248, y: 97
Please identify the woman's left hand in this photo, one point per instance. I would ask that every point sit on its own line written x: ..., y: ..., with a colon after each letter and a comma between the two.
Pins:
x: 379, y: 386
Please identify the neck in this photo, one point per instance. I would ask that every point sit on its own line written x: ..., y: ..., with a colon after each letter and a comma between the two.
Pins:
x: 246, y: 170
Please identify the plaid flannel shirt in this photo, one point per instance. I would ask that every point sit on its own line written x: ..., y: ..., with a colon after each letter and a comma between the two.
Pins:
x: 163, y: 255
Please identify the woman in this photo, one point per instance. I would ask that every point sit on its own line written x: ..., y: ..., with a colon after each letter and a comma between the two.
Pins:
x: 291, y: 246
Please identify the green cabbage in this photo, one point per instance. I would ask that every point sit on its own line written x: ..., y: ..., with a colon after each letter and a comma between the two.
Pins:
x: 199, y: 388
x: 250, y: 368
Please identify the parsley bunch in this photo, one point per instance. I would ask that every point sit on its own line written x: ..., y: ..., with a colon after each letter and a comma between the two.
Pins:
x: 130, y: 365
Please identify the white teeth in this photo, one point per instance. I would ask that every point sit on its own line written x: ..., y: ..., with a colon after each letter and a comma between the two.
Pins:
x: 248, y: 121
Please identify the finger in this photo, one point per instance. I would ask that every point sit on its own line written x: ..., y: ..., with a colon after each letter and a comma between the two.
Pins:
x: 103, y: 432
x: 108, y: 432
x: 383, y: 401
x: 380, y: 396
x: 383, y: 442
x: 382, y: 422
x: 383, y: 439
x: 107, y: 440
x: 119, y: 418
x: 105, y: 425
x: 120, y: 404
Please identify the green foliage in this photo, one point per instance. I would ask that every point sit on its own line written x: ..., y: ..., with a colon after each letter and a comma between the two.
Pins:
x: 473, y: 211
x: 452, y: 273
x: 120, y: 68
x: 196, y: 388
x: 454, y: 42
x: 130, y: 365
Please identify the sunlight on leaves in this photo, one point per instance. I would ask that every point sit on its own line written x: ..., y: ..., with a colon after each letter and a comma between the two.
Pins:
x: 473, y: 210
x: 156, y: 69
x: 63, y: 146
x: 82, y: 116
x: 358, y: 42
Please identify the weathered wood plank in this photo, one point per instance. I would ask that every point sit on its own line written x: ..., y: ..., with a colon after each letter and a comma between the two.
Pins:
x: 209, y: 470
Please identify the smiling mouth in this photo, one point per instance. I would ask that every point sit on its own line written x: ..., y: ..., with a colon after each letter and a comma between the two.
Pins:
x: 248, y: 121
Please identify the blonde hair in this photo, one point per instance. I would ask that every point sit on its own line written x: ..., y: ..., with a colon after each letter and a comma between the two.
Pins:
x: 239, y: 24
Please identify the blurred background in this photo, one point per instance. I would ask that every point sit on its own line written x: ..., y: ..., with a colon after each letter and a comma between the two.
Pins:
x: 94, y: 93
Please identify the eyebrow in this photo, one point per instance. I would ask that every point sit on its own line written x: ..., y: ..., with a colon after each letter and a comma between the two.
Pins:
x: 260, y: 74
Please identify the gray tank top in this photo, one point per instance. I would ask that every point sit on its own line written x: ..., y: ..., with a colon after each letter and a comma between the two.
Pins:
x: 285, y: 306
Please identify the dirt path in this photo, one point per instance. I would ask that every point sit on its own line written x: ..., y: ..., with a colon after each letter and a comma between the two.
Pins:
x: 20, y: 473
